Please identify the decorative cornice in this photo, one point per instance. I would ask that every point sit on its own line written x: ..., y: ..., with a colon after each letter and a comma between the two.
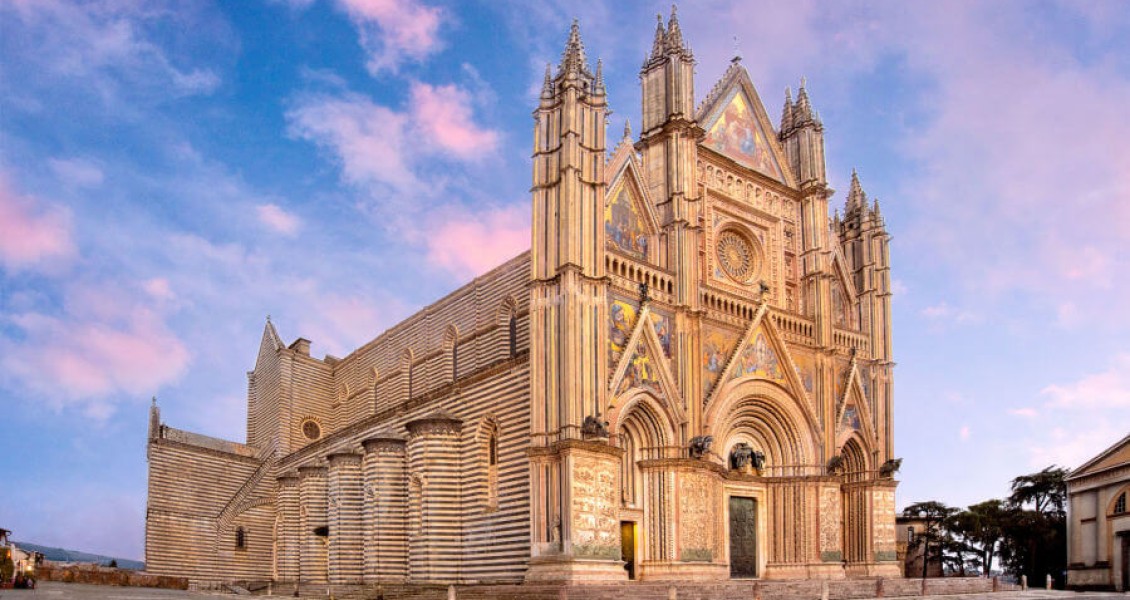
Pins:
x: 308, y: 471
x: 437, y: 423
x: 386, y: 445
x: 343, y: 458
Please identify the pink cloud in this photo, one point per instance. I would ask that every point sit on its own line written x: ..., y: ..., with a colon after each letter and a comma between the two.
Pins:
x: 368, y: 139
x: 343, y: 323
x: 76, y: 171
x: 92, y: 352
x: 471, y: 244
x: 31, y: 233
x: 444, y: 115
x: 278, y: 219
x: 394, y: 30
x: 1103, y: 390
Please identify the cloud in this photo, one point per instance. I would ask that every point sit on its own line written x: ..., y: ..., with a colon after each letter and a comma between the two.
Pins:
x: 1106, y: 389
x: 31, y: 232
x: 472, y: 243
x: 393, y: 31
x: 278, y: 219
x: 964, y: 433
x: 77, y: 172
x: 1026, y: 412
x: 943, y: 312
x: 368, y: 140
x: 443, y: 115
x: 81, y: 359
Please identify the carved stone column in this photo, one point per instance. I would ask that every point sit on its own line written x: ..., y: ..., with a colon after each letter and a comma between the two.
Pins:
x: 434, y: 509
x: 344, y: 517
x: 385, y: 527
x: 312, y: 492
x: 287, y: 549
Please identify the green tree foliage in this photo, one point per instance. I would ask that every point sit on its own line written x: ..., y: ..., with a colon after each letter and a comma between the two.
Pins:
x: 1027, y: 531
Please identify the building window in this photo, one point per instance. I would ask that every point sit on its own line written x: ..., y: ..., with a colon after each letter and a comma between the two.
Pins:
x: 311, y: 429
x: 492, y: 467
x: 910, y: 535
x: 1120, y: 504
x: 240, y: 538
x: 513, y: 335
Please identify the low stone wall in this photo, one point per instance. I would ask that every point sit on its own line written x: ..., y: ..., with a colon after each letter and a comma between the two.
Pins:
x: 97, y: 575
x: 849, y: 589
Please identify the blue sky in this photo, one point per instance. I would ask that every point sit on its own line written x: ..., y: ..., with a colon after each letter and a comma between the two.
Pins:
x: 173, y: 172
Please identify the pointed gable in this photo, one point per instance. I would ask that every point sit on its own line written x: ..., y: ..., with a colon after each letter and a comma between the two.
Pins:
x: 628, y: 219
x: 759, y: 359
x: 735, y: 131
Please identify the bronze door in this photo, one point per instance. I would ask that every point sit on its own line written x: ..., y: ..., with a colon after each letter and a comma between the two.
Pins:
x: 628, y: 547
x: 743, y: 537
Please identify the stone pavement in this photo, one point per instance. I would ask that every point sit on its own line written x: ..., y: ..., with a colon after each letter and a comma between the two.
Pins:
x: 51, y: 590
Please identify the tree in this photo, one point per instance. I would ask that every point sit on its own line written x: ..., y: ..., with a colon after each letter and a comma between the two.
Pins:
x: 934, y: 516
x: 981, y: 528
x: 1034, y: 540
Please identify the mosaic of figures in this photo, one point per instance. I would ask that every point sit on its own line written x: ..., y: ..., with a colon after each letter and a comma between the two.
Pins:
x: 717, y: 345
x: 759, y: 360
x: 804, y: 370
x: 850, y: 420
x: 621, y: 321
x: 624, y: 225
x: 641, y: 372
x: 737, y: 134
x: 662, y: 324
x: 839, y: 307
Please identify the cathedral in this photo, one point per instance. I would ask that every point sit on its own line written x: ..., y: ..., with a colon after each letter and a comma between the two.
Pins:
x: 686, y: 377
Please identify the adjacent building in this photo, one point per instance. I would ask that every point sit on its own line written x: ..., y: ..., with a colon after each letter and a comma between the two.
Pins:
x: 1098, y: 522
x: 687, y: 376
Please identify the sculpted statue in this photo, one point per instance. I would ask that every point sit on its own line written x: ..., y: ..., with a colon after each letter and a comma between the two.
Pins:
x: 888, y: 469
x: 745, y: 458
x: 594, y: 427
x: 836, y: 463
x: 700, y: 445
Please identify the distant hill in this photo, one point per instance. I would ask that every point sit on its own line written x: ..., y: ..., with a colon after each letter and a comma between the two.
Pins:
x: 61, y: 555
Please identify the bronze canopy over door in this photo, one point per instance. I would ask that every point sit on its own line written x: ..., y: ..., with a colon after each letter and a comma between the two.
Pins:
x: 743, y: 537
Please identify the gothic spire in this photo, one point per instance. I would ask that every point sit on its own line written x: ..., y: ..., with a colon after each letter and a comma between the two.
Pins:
x: 857, y: 198
x: 573, y: 59
x: 787, y: 111
x: 660, y: 39
x: 627, y: 129
x: 598, y: 87
x: 802, y: 111
x: 547, y: 85
x: 674, y: 33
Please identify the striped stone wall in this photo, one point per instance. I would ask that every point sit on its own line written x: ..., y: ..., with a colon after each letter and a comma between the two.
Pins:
x: 344, y: 516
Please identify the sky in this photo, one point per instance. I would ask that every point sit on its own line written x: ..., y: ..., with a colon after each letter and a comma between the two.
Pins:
x: 171, y: 173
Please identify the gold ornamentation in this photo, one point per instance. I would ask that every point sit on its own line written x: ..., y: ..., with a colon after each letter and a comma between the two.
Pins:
x: 736, y: 256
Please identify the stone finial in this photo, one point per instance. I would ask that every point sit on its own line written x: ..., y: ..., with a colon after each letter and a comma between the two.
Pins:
x: 627, y: 129
x: 598, y: 86
x: 674, y: 41
x: 802, y: 111
x: 857, y: 198
x: 154, y: 420
x: 787, y: 111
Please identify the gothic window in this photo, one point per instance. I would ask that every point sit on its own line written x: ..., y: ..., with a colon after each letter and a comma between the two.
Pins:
x: 490, y: 448
x: 1120, y: 504
x: 240, y: 538
x: 513, y: 334
x: 454, y: 361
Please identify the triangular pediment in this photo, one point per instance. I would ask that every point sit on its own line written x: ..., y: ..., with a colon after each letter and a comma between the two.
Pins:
x: 1116, y: 455
x: 738, y: 127
x: 643, y: 365
x: 853, y: 410
x: 630, y: 222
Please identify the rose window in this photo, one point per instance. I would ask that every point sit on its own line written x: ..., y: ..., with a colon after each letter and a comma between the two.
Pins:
x: 736, y: 256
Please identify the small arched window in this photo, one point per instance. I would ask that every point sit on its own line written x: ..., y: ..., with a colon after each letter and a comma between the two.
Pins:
x: 513, y: 334
x: 240, y: 538
x: 1120, y: 504
x: 492, y: 451
x: 490, y: 447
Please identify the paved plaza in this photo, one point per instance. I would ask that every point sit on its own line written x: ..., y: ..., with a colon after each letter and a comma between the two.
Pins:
x: 76, y: 591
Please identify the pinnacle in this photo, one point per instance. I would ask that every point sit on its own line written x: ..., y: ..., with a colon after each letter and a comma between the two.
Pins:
x: 598, y: 87
x: 627, y: 129
x: 547, y: 85
x: 573, y: 58
x: 787, y: 111
x: 660, y: 36
x: 857, y: 198
x: 674, y: 33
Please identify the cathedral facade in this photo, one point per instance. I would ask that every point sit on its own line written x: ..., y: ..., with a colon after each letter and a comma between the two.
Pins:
x: 687, y: 376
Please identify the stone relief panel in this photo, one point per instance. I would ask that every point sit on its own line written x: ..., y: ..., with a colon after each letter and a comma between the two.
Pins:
x: 717, y: 345
x: 831, y: 524
x: 696, y: 517
x: 596, y: 528
x: 883, y: 523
